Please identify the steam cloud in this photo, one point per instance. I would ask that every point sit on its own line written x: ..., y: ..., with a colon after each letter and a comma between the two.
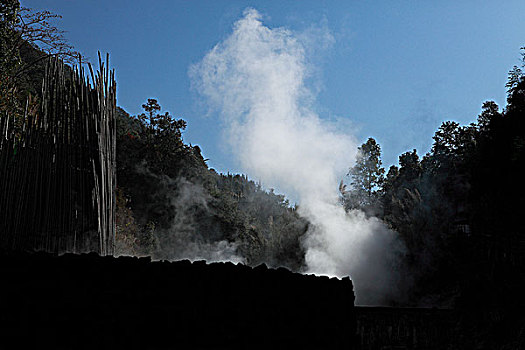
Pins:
x: 182, y: 239
x: 255, y: 79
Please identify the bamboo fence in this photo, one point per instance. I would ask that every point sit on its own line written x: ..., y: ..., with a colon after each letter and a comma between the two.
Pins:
x: 57, y: 172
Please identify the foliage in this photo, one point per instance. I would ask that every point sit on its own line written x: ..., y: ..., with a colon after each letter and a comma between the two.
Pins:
x: 367, y: 173
x: 367, y: 177
x: 9, y: 10
x: 176, y: 200
x: 457, y: 206
x: 27, y: 38
x: 515, y: 76
x: 36, y: 29
x: 127, y: 231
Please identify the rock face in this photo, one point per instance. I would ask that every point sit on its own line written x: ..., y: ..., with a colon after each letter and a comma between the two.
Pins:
x: 405, y: 328
x: 481, y: 327
x: 87, y: 301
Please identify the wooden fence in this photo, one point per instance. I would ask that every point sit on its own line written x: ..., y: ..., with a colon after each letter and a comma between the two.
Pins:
x: 57, y: 165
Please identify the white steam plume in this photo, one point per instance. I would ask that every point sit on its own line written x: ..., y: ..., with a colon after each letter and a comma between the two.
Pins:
x: 255, y: 78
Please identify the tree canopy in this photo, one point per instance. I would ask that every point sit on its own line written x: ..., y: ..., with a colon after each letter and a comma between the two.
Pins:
x: 367, y: 176
x: 27, y: 38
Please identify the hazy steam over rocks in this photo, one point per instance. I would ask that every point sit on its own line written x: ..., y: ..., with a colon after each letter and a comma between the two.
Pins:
x: 185, y: 202
x: 255, y: 80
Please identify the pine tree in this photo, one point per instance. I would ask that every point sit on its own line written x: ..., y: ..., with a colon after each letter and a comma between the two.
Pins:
x: 367, y: 174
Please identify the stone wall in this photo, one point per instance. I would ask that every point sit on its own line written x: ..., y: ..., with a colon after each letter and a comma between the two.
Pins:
x: 474, y: 327
x: 405, y: 328
x: 87, y: 301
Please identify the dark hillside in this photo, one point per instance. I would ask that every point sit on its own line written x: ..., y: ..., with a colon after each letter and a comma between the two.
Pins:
x: 170, y: 205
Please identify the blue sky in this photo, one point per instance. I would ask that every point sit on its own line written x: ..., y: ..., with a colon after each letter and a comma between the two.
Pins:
x: 396, y: 70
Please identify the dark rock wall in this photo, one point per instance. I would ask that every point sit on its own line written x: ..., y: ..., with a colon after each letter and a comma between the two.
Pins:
x: 92, y: 302
x: 87, y: 301
x: 405, y: 328
x: 476, y: 327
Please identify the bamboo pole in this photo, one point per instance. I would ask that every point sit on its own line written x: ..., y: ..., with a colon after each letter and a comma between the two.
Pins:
x: 59, y: 187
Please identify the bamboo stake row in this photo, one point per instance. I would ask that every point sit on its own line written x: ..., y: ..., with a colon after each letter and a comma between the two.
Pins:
x: 57, y: 174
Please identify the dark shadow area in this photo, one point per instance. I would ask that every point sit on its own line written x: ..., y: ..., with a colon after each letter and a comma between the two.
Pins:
x: 87, y: 301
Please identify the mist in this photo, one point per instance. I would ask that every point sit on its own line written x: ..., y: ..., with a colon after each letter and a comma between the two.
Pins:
x: 184, y: 203
x: 255, y: 80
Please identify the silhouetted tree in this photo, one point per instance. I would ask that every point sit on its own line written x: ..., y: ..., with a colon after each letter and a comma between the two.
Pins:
x: 367, y: 175
x: 515, y: 76
x: 489, y: 113
x: 27, y: 38
x: 410, y: 167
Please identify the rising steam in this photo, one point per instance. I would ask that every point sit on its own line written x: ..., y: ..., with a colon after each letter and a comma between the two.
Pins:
x: 255, y: 78
x: 183, y: 239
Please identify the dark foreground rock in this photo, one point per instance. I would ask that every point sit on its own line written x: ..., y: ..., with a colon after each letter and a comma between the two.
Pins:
x: 91, y: 302
x: 482, y: 327
x: 406, y: 328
